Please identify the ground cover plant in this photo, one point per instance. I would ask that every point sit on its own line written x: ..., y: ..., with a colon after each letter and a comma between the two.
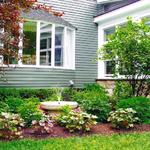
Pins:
x: 114, y: 142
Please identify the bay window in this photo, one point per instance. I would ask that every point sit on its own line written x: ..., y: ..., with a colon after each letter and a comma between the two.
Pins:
x: 47, y: 44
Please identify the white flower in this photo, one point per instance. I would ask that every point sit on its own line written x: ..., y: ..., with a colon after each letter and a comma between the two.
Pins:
x: 34, y: 122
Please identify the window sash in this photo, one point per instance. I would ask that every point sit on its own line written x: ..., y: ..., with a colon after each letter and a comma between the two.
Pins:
x: 52, y: 49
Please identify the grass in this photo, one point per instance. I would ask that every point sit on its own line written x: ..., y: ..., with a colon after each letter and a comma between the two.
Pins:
x: 115, y: 142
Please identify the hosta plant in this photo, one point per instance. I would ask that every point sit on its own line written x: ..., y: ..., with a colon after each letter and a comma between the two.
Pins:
x: 77, y: 121
x: 44, y: 125
x: 123, y: 118
x: 10, y: 125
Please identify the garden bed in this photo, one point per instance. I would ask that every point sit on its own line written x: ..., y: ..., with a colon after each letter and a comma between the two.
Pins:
x: 101, y: 129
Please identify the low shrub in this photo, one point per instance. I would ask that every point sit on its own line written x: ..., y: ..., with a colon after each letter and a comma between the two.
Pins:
x: 94, y: 101
x: 123, y: 118
x: 29, y: 111
x: 26, y: 93
x: 68, y: 94
x: 94, y: 87
x: 140, y: 104
x: 4, y: 93
x: 3, y: 107
x: 11, y: 125
x: 13, y: 104
x: 77, y: 121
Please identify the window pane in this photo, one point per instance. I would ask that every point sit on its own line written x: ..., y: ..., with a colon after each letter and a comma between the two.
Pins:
x: 59, y: 40
x: 108, y: 32
x: 45, y: 44
x: 110, y: 67
x: 29, y: 52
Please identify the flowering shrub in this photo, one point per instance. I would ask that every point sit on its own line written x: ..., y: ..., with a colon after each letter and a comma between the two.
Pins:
x: 44, y: 125
x: 12, y: 123
x: 77, y: 121
x: 123, y: 118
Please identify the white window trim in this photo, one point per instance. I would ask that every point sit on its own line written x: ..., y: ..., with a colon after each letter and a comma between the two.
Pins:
x: 114, y: 19
x: 21, y: 65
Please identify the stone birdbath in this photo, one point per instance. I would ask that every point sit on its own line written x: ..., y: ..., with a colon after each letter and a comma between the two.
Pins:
x: 54, y: 107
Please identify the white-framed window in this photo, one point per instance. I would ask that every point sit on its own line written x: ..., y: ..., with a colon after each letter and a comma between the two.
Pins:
x: 109, y: 65
x: 47, y: 45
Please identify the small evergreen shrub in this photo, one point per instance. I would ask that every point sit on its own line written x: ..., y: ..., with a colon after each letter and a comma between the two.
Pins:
x: 140, y: 104
x: 123, y: 118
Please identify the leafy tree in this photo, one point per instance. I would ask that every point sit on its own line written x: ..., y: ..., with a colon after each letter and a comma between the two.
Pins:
x: 129, y: 48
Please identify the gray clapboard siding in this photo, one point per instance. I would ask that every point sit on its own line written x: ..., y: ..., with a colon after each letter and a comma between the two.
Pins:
x: 80, y: 14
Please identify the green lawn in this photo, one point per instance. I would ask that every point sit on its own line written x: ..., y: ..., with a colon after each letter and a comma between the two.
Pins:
x: 114, y: 142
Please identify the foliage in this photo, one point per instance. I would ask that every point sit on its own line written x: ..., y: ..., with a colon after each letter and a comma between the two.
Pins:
x: 68, y: 93
x: 29, y: 111
x: 10, y: 16
x: 38, y: 93
x: 140, y: 104
x: 12, y: 123
x: 4, y: 93
x: 129, y: 48
x: 13, y: 104
x: 44, y: 125
x: 94, y: 87
x: 123, y: 118
x: 94, y: 101
x: 77, y: 121
x: 66, y: 109
x: 122, y: 90
x: 26, y: 93
x: 3, y: 107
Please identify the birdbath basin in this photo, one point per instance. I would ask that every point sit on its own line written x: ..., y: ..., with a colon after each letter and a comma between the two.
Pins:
x: 57, y: 105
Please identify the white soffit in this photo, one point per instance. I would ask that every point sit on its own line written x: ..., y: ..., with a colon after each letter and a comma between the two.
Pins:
x: 107, y: 1
x: 138, y: 6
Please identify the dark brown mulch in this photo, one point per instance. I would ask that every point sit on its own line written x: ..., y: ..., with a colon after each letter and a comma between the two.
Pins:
x: 103, y: 129
x: 99, y: 129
